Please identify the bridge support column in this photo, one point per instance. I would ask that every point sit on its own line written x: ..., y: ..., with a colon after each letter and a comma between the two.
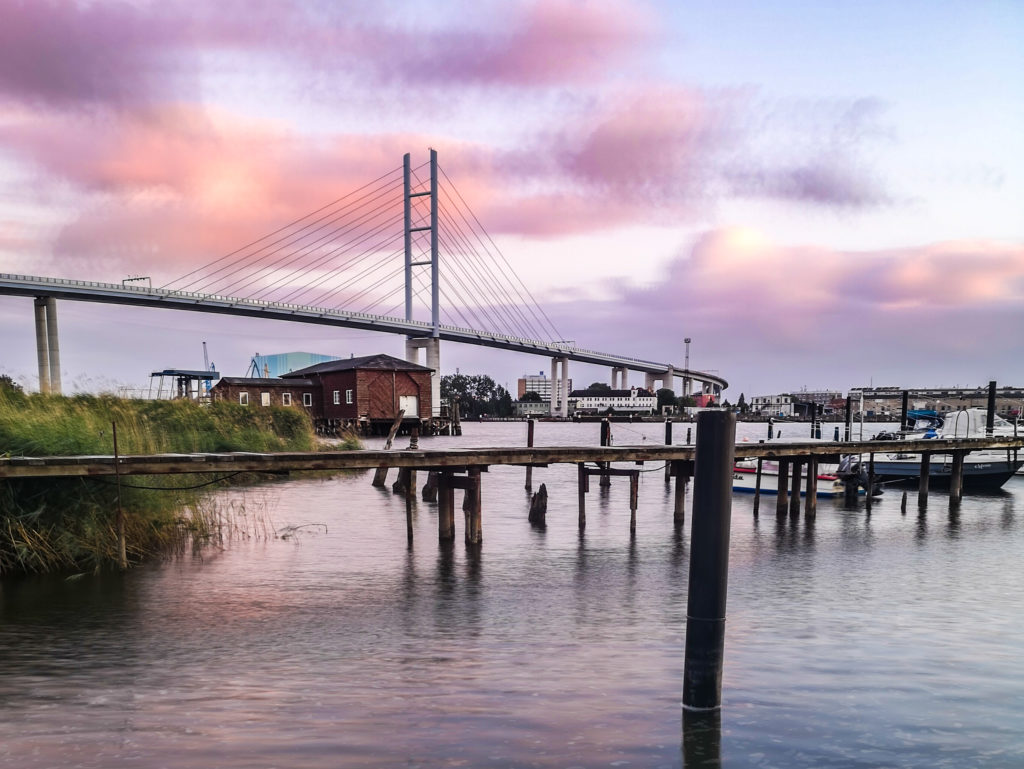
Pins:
x: 565, y: 388
x: 619, y: 378
x: 649, y: 380
x: 42, y: 346
x: 47, y: 345
x: 434, y: 362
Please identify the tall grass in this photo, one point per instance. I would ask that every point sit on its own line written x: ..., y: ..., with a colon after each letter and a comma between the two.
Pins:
x: 69, y: 523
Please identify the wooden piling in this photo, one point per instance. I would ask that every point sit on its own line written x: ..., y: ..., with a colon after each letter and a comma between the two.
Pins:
x: 530, y: 423
x: 922, y: 484
x: 849, y: 418
x: 472, y: 507
x: 430, y: 487
x: 903, y: 504
x: 679, y: 509
x: 634, y: 484
x: 445, y: 507
x: 581, y: 493
x: 794, y: 497
x: 381, y: 475
x: 956, y: 478
x: 709, y: 561
x: 606, y: 440
x: 811, y: 502
x: 782, y: 500
x: 757, y: 487
x: 668, y: 442
x: 871, y: 482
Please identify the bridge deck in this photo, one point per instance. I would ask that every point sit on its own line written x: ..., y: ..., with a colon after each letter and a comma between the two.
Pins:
x: 425, y: 459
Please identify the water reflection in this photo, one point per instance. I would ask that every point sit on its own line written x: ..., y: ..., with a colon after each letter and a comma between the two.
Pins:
x: 702, y: 739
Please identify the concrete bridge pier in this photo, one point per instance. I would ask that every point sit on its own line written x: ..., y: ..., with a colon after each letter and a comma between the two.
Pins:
x: 433, y: 347
x: 619, y: 376
x: 562, y: 387
x: 47, y: 345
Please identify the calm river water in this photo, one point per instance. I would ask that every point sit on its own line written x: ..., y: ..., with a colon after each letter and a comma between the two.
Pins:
x: 883, y: 641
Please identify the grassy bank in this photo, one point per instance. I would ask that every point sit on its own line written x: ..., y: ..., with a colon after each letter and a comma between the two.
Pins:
x: 70, y: 524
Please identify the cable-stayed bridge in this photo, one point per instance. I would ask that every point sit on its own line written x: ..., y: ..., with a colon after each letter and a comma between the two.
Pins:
x: 406, y: 243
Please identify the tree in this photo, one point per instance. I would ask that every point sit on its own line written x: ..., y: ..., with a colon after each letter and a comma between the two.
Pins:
x: 600, y: 387
x: 686, y: 401
x: 531, y: 397
x: 666, y: 397
x: 477, y: 395
x: 6, y: 383
x: 741, y: 404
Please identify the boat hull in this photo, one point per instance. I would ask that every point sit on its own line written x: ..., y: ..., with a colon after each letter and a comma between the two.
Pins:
x: 744, y: 480
x: 981, y: 474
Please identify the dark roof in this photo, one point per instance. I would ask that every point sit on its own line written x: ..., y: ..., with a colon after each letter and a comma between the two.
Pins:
x: 260, y: 382
x: 375, y: 362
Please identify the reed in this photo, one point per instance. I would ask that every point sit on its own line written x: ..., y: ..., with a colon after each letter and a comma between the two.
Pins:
x: 69, y: 524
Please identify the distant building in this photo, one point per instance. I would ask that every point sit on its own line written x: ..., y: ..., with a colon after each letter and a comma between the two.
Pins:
x: 773, y: 405
x: 632, y: 401
x: 540, y: 384
x: 531, y: 408
x: 888, y: 401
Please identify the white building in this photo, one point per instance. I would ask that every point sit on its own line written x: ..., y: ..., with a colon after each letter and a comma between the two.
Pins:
x: 540, y: 384
x: 773, y: 405
x: 635, y: 400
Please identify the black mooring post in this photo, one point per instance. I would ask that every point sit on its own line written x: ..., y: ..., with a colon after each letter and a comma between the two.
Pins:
x: 530, y: 425
x: 849, y: 417
x: 905, y: 404
x: 990, y: 417
x: 709, y: 560
x: 668, y: 442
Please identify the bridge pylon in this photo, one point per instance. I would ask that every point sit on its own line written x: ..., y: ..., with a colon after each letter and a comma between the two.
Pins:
x: 47, y: 345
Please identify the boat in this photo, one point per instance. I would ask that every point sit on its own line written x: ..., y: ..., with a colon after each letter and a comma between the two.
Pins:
x: 744, y: 479
x: 984, y: 469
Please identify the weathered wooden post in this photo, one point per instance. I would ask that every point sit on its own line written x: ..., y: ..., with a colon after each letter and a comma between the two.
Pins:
x: 782, y: 500
x: 871, y: 482
x: 771, y: 427
x: 472, y: 508
x: 922, y: 484
x: 668, y: 442
x: 904, y: 405
x: 757, y: 486
x: 530, y: 423
x: 430, y: 487
x: 582, y: 482
x: 956, y: 478
x: 539, y: 508
x: 849, y: 418
x: 122, y: 543
x: 811, y: 502
x: 634, y: 483
x: 709, y: 561
x: 794, y: 497
x: 410, y: 478
x: 688, y: 434
x: 990, y: 416
x: 679, y: 509
x: 445, y: 507
x: 606, y: 440
x: 903, y: 504
x: 381, y: 475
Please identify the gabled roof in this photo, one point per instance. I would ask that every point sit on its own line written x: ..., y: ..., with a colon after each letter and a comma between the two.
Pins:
x: 379, y: 362
x: 243, y: 381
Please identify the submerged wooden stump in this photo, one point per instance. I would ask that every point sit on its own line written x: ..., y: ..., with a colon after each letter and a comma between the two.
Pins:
x: 430, y: 487
x: 539, y: 507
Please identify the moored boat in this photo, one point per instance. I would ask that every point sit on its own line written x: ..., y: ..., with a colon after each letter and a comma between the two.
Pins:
x: 744, y: 479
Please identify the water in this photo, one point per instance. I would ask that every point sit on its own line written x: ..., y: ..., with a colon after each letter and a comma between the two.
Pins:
x: 855, y: 641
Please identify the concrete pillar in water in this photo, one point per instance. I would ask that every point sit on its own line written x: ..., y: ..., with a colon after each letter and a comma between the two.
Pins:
x: 42, y: 348
x: 709, y: 561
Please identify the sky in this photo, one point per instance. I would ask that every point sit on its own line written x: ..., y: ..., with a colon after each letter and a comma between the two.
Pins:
x: 818, y: 195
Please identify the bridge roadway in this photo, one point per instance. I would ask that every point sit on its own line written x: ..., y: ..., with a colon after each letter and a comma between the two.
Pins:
x: 144, y: 296
x: 455, y: 459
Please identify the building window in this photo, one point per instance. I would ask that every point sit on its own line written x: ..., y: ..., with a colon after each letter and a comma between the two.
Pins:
x: 307, y: 399
x: 348, y: 396
x: 286, y: 399
x: 264, y: 399
x: 337, y: 397
x: 243, y: 398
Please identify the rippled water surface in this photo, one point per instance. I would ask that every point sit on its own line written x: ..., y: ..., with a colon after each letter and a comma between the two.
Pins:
x: 855, y: 641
